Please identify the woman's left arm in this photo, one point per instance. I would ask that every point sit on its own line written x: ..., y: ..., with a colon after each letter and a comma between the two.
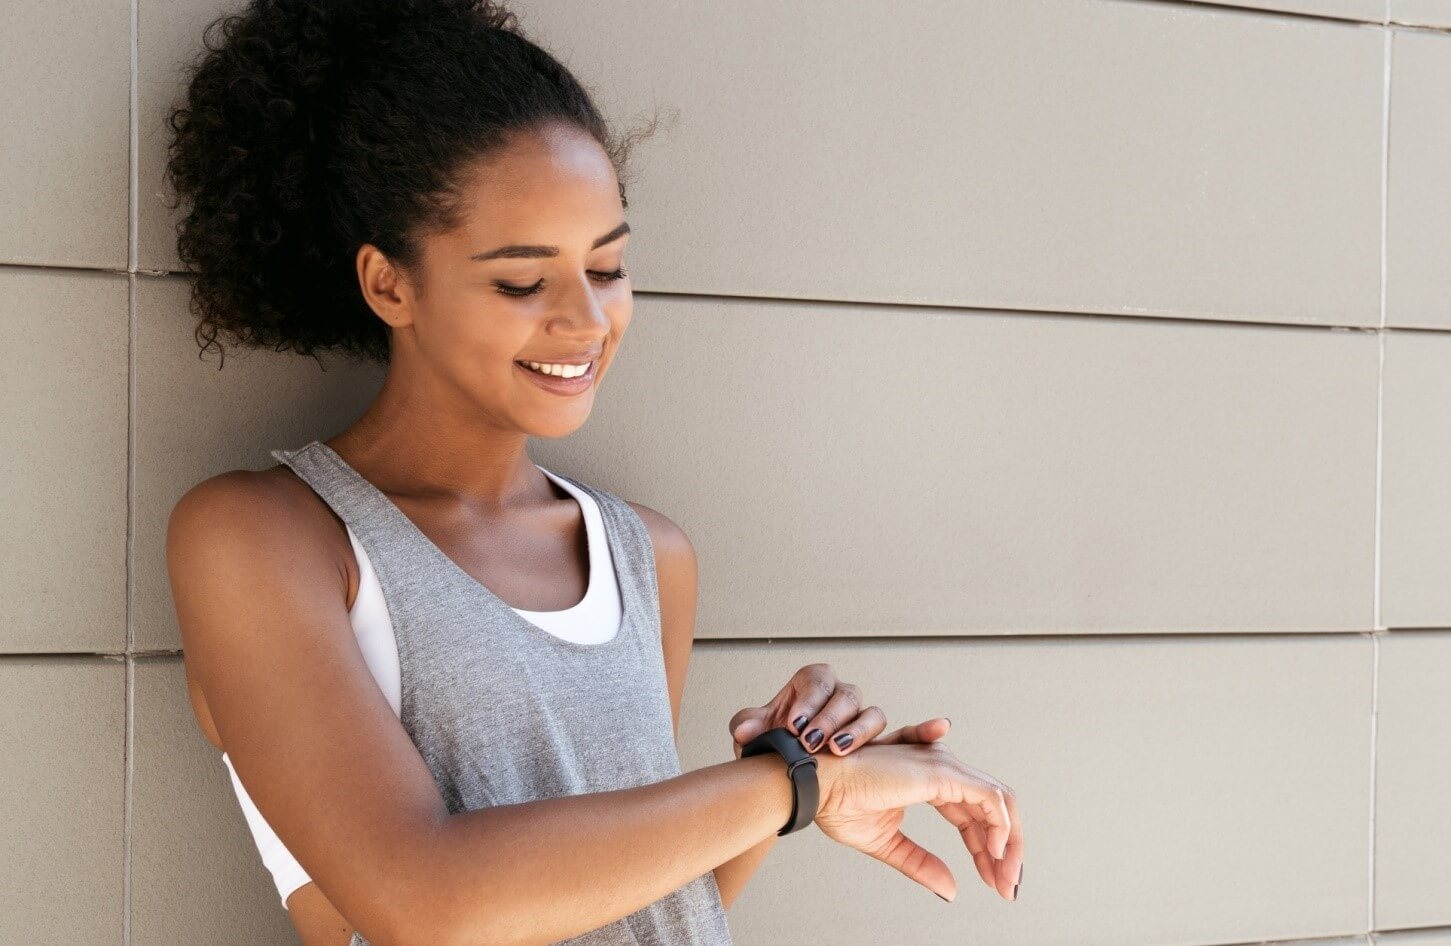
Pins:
x: 676, y: 570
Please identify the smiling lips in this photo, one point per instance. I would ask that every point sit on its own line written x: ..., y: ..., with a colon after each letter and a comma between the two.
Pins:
x: 560, y: 377
x: 560, y: 369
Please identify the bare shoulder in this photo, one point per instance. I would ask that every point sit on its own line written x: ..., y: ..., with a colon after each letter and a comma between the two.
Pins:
x: 674, y: 552
x: 219, y: 530
x: 676, y: 569
x: 230, y: 516
x: 243, y: 498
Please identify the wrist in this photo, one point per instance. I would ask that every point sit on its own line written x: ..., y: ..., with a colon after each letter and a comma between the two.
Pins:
x: 828, y: 771
x: 802, y: 771
x: 777, y: 808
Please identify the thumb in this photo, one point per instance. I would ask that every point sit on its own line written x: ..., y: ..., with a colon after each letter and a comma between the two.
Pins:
x: 748, y: 724
x: 928, y: 731
x: 919, y: 864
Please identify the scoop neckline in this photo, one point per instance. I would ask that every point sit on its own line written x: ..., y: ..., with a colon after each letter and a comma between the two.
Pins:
x: 479, y: 588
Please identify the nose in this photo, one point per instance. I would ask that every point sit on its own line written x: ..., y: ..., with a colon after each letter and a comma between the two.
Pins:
x: 586, y: 316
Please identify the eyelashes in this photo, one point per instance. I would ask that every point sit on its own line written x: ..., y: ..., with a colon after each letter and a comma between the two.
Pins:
x: 606, y: 278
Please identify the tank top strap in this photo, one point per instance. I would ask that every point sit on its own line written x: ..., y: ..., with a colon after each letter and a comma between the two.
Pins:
x: 369, y: 513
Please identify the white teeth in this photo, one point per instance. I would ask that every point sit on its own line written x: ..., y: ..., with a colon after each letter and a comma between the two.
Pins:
x: 561, y: 371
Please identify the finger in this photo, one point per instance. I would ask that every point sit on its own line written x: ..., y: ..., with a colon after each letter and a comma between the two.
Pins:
x: 981, y: 859
x: 750, y: 723
x: 1010, y: 867
x: 844, y: 706
x: 860, y: 731
x: 1001, y: 874
x: 919, y: 864
x: 968, y: 796
x: 974, y: 837
x: 999, y: 824
x: 811, y: 687
x: 928, y: 731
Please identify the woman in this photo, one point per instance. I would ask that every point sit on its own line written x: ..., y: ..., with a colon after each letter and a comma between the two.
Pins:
x: 448, y: 678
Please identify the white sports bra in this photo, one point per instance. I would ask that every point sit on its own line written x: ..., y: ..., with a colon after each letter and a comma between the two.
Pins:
x: 595, y: 618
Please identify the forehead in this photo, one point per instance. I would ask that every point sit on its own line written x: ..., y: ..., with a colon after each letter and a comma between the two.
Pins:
x: 541, y: 181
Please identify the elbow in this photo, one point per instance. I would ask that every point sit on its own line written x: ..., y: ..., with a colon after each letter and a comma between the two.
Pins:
x: 432, y: 911
x: 426, y: 924
x: 432, y: 919
x: 410, y: 924
x: 418, y: 930
x: 431, y: 903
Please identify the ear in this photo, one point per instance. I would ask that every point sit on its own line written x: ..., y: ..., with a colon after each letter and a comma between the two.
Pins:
x: 387, y: 288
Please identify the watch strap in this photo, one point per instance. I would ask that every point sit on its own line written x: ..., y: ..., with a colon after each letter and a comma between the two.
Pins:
x: 800, y: 767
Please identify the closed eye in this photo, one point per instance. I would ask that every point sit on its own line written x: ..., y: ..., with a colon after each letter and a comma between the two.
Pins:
x: 509, y: 290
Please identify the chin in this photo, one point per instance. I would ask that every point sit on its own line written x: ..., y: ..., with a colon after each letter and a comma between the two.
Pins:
x: 556, y: 427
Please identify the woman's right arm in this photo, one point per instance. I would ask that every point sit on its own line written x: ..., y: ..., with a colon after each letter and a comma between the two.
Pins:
x: 262, y: 606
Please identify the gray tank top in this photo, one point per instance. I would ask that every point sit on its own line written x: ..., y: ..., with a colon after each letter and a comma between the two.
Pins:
x: 502, y: 710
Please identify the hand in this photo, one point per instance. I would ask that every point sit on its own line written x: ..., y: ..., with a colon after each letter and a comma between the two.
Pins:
x: 819, y: 702
x: 863, y: 798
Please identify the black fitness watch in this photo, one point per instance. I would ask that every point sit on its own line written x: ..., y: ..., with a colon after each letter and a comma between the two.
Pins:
x: 800, y: 766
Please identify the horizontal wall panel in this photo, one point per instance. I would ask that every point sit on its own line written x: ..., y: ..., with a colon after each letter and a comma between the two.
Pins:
x: 1418, y: 237
x: 1139, y: 158
x: 63, y: 460
x: 1416, y: 481
x: 1413, y: 768
x: 62, y: 789
x: 1441, y: 937
x: 1173, y: 791
x: 1421, y: 12
x: 64, y: 164
x: 1372, y: 11
x: 196, y: 875
x: 867, y: 470
x: 197, y: 417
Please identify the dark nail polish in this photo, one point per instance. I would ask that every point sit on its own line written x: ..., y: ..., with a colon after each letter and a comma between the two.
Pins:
x: 842, y: 740
x: 813, y: 738
x: 799, y: 721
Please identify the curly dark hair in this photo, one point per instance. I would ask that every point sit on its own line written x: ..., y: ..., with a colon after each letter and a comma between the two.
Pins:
x: 311, y: 127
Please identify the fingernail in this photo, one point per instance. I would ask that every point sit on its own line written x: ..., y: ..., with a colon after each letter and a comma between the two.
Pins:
x: 942, y: 898
x: 813, y: 738
x: 842, y: 740
x: 1020, y: 880
x: 798, y: 722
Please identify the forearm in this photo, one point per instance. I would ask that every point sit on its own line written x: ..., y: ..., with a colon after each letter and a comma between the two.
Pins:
x: 732, y: 876
x: 543, y: 871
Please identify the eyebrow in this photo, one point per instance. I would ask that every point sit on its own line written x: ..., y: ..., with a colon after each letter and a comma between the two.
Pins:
x: 518, y: 251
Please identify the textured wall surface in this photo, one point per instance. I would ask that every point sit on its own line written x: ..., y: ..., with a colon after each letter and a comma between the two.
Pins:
x: 1076, y: 369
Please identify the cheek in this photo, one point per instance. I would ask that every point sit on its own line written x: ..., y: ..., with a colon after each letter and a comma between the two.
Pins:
x: 620, y: 316
x: 474, y: 336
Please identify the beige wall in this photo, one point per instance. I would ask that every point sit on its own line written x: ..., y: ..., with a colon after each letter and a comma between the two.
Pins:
x: 1076, y: 369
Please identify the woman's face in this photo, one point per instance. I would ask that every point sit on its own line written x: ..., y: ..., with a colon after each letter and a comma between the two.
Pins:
x: 533, y: 273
